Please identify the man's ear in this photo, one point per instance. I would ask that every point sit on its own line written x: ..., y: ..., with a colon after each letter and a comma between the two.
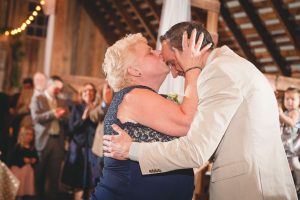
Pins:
x: 135, y: 72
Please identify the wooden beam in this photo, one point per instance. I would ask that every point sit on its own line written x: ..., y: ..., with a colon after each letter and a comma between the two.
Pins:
x: 76, y: 81
x: 266, y: 37
x: 208, y: 5
x: 238, y: 35
x: 108, y: 8
x: 141, y: 16
x: 284, y: 16
x: 282, y: 82
x: 99, y: 21
x: 212, y: 25
x: 156, y: 10
x: 126, y: 16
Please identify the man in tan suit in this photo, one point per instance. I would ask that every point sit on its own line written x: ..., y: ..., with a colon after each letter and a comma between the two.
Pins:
x: 236, y: 126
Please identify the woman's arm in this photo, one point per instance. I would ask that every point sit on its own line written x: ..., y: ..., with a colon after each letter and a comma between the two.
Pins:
x: 150, y: 109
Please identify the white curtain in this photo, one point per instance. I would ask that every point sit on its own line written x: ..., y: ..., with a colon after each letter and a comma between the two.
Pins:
x: 173, y: 12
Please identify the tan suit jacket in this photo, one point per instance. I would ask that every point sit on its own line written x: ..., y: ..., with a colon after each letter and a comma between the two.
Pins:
x: 237, y: 126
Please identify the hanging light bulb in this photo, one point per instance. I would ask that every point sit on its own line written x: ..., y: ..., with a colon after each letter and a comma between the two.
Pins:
x: 38, y: 8
x: 27, y: 22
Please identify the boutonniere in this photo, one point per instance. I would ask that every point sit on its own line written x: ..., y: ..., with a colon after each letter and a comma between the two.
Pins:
x: 173, y: 97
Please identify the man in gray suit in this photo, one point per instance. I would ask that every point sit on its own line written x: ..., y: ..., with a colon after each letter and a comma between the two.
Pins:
x: 236, y: 126
x: 49, y: 118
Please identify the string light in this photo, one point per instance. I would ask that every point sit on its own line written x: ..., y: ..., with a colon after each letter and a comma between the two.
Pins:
x: 28, y: 21
x: 38, y: 8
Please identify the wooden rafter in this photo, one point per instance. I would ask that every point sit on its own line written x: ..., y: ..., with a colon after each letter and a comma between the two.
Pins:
x: 266, y: 37
x: 238, y: 35
x: 282, y: 83
x: 98, y: 20
x: 126, y: 16
x: 108, y: 8
x: 139, y: 13
x: 155, y: 9
x: 208, y: 5
x: 289, y: 25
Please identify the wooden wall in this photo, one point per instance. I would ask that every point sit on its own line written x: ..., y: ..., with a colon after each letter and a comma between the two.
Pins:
x: 78, y: 46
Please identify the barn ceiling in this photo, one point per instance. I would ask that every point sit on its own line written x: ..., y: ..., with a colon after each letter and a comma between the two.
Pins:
x: 267, y: 32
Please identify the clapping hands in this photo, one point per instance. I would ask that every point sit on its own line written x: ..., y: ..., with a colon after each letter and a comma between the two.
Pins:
x: 60, y: 112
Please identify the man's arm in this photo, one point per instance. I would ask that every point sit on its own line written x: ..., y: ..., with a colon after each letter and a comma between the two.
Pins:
x: 36, y: 111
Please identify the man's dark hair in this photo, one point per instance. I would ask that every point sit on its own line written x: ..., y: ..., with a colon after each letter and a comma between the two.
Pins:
x: 174, y: 34
x: 56, y: 78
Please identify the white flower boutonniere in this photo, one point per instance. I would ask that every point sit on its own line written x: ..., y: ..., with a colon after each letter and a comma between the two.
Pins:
x: 173, y: 97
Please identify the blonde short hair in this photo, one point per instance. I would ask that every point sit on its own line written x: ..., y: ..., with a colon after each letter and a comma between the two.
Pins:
x: 22, y: 134
x: 118, y: 58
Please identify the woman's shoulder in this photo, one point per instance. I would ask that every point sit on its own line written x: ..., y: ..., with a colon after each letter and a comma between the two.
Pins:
x: 129, y: 89
x: 140, y: 94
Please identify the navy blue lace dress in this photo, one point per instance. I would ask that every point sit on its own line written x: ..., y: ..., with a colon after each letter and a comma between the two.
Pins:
x: 123, y: 180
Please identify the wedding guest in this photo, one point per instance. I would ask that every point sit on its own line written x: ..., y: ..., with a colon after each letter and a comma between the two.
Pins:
x: 290, y: 119
x: 22, y: 161
x: 49, y: 114
x: 81, y: 161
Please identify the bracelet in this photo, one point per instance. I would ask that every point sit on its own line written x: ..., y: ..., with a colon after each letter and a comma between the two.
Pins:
x: 195, y: 67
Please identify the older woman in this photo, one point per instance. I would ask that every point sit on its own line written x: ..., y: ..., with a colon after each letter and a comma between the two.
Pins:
x: 135, y: 72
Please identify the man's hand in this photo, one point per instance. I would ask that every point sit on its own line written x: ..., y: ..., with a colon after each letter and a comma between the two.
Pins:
x: 60, y: 112
x: 117, y: 146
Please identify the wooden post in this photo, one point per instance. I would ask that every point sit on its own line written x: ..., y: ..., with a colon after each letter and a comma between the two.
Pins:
x: 212, y: 25
x: 282, y: 82
x: 213, y: 10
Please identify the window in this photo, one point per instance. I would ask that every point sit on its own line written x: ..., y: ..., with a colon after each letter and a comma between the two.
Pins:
x: 38, y: 27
